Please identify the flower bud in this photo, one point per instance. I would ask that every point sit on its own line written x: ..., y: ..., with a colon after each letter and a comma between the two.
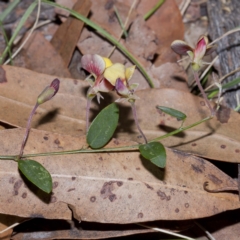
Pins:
x: 48, y: 92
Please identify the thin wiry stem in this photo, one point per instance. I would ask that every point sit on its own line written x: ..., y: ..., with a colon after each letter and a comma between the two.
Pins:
x: 125, y: 25
x: 224, y: 35
x: 222, y: 78
x: 202, y: 91
x: 209, y: 235
x: 29, y: 34
x: 89, y: 100
x: 165, y: 231
x: 27, y: 130
x: 136, y: 120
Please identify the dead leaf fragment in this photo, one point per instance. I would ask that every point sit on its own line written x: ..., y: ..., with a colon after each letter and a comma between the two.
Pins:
x: 142, y: 42
x: 67, y: 35
x: 65, y: 111
x: 40, y: 56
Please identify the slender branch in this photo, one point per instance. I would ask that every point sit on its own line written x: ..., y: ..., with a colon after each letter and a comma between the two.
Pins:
x: 203, y: 93
x: 224, y: 35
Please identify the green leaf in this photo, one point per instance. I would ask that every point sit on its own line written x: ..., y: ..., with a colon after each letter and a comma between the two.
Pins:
x: 172, y: 112
x: 103, y: 126
x: 8, y: 9
x: 155, y: 152
x: 228, y: 85
x: 36, y: 174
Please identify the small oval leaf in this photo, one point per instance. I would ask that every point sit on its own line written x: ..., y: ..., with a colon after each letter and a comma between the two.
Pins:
x: 36, y: 174
x: 103, y: 126
x: 172, y: 112
x: 155, y: 152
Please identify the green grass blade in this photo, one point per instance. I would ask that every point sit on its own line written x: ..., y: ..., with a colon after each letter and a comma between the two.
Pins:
x: 8, y: 10
x: 7, y: 41
x: 153, y: 10
x: 120, y: 22
x: 19, y: 26
x: 107, y: 36
x: 215, y: 91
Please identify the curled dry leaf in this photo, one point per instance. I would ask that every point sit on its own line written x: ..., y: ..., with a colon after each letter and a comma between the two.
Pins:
x: 111, y: 187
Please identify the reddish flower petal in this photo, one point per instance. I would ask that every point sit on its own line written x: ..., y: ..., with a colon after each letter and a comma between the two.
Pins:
x: 104, y: 86
x: 200, y: 49
x: 94, y: 64
x: 180, y: 47
x: 49, y: 92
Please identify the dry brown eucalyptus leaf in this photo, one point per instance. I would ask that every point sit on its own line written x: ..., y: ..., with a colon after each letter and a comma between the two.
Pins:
x: 40, y: 56
x: 67, y: 35
x: 167, y: 23
x: 65, y: 113
x: 215, y: 139
x: 116, y: 187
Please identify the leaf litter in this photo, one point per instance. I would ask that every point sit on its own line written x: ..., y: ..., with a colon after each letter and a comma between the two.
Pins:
x: 116, y: 187
x: 112, y: 187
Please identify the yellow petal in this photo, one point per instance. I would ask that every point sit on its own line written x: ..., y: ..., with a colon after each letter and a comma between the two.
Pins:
x: 114, y: 72
x: 129, y: 72
x: 108, y: 62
